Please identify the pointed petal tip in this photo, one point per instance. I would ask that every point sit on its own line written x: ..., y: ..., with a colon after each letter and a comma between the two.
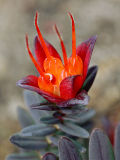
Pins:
x: 70, y: 14
x: 93, y: 38
x: 36, y: 17
x: 19, y: 83
x: 36, y: 14
x: 95, y: 68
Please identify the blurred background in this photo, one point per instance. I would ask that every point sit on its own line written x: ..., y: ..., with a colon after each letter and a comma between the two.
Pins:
x: 95, y: 17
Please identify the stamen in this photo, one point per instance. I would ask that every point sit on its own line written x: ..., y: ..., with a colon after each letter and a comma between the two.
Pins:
x: 63, y: 47
x: 41, y: 38
x: 73, y: 37
x: 33, y: 59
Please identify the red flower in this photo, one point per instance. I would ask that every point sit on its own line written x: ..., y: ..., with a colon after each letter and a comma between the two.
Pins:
x: 58, y: 81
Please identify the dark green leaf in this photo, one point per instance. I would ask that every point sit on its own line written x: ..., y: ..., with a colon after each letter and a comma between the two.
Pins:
x: 100, y: 147
x: 28, y: 143
x: 24, y: 117
x: 90, y: 78
x: 67, y: 150
x: 74, y: 130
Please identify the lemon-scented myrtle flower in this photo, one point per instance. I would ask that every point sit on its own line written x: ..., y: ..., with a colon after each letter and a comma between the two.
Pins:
x: 60, y: 81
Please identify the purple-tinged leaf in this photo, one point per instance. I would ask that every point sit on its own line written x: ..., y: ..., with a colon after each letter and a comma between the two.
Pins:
x: 117, y: 143
x: 24, y: 117
x: 90, y: 78
x: 28, y: 143
x: 74, y: 130
x: 67, y: 150
x: 100, y: 147
x: 49, y: 156
x: 38, y: 130
x: 23, y: 156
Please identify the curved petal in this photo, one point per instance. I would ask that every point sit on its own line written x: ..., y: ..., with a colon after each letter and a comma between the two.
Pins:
x: 82, y: 99
x: 52, y: 50
x: 31, y: 83
x: 83, y: 48
x: 70, y: 86
x: 85, y: 51
x: 40, y: 54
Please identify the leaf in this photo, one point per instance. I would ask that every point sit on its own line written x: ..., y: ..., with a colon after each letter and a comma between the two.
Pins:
x: 32, y: 98
x: 100, y: 147
x: 117, y: 142
x: 74, y: 130
x: 23, y: 156
x: 38, y: 130
x: 49, y: 120
x: 45, y: 106
x: 73, y: 110
x: 49, y: 156
x: 24, y: 117
x: 90, y: 78
x: 82, y: 117
x: 67, y: 150
x: 28, y: 143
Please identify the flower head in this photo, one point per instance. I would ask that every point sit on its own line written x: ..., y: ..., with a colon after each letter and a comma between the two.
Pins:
x: 59, y: 81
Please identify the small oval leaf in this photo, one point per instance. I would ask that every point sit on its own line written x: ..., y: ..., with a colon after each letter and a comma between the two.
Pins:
x: 50, y: 120
x: 74, y: 130
x: 38, y: 130
x: 82, y: 117
x: 29, y: 143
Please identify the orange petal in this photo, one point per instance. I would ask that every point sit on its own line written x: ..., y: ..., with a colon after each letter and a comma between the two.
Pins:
x: 55, y: 67
x: 44, y: 85
x: 75, y: 65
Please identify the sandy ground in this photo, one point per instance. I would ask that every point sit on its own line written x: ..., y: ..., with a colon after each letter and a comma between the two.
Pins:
x: 95, y: 17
